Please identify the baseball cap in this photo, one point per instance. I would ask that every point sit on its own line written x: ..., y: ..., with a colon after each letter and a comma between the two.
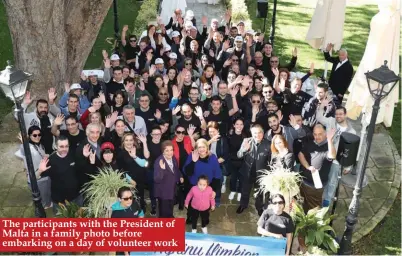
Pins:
x: 167, y: 48
x: 91, y: 73
x: 240, y: 22
x: 238, y: 38
x: 214, y: 20
x: 107, y: 145
x: 75, y: 87
x: 173, y: 55
x: 194, y: 27
x: 175, y: 33
x: 159, y: 61
x: 114, y: 57
x: 190, y: 14
x: 251, y: 32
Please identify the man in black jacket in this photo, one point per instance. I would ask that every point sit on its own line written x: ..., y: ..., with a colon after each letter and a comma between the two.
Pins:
x: 341, y: 73
x: 256, y: 152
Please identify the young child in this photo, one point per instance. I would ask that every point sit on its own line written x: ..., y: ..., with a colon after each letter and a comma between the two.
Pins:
x: 200, y: 197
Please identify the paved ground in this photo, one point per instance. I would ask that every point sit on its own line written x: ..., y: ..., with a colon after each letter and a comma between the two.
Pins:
x: 211, y: 11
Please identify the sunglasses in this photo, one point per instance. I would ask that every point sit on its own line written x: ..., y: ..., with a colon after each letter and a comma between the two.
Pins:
x: 207, y: 89
x: 236, y: 60
x: 180, y: 132
x: 163, y: 94
x: 188, y: 63
x: 128, y: 198
x: 274, y: 61
x: 133, y: 41
x: 275, y: 203
x: 36, y: 135
x: 268, y: 92
x: 256, y: 101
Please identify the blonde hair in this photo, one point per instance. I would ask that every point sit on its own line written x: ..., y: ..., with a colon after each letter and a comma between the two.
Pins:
x: 101, y: 125
x: 202, y: 142
x: 125, y: 136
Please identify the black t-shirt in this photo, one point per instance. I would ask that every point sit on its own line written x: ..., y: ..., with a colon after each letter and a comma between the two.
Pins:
x: 131, y: 52
x: 73, y: 140
x: 222, y: 119
x: 278, y: 224
x: 164, y: 109
x: 148, y: 117
x: 235, y: 141
x: 154, y: 151
x: 183, y: 155
x: 194, y: 121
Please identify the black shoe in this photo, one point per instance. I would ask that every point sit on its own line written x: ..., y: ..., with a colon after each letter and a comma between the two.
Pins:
x: 240, y: 209
x: 153, y: 212
x: 188, y: 221
x: 260, y: 212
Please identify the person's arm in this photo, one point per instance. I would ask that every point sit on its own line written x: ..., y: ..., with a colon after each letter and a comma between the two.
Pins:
x: 331, y: 149
x: 303, y: 161
x: 123, y: 35
x: 63, y: 100
x: 243, y: 149
x: 289, y: 238
x: 145, y: 150
x: 235, y: 106
x: 55, y: 130
x: 189, y: 197
x: 321, y: 118
x: 263, y: 232
x: 158, y: 173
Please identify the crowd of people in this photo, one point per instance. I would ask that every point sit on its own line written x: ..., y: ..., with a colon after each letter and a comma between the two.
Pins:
x: 191, y: 116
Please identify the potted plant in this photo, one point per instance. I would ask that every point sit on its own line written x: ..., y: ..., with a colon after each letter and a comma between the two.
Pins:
x: 101, y: 191
x: 71, y: 210
x: 313, y: 229
x: 280, y: 180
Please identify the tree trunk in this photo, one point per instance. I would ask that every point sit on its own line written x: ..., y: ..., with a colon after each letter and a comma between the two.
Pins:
x: 53, y: 38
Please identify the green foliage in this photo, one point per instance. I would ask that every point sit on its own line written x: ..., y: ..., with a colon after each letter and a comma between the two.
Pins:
x: 314, y: 227
x: 239, y: 12
x: 101, y: 191
x: 279, y: 179
x: 148, y: 12
x: 71, y: 210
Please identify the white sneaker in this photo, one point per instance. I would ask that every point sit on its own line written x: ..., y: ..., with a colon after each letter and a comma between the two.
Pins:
x: 223, y: 189
x: 231, y: 195
x: 204, y: 230
x: 194, y: 231
x: 238, y: 197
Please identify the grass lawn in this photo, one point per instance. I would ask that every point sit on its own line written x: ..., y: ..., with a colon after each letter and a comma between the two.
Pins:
x: 292, y: 23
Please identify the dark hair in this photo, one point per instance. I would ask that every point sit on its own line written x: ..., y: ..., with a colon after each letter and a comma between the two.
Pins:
x: 165, y: 144
x: 122, y: 94
x: 41, y: 101
x: 323, y: 85
x: 127, y: 67
x: 144, y: 95
x: 132, y: 36
x: 119, y: 120
x: 179, y: 126
x: 342, y: 108
x: 276, y: 196
x: 122, y: 190
x: 117, y: 69
x: 216, y: 98
x: 162, y: 122
x: 203, y: 177
x: 72, y: 95
x: 32, y: 129
x: 273, y: 115
x: 156, y: 127
x: 70, y: 118
x: 61, y: 138
x: 129, y: 80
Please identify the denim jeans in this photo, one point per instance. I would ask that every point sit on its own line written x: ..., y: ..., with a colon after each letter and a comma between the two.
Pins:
x: 332, y: 184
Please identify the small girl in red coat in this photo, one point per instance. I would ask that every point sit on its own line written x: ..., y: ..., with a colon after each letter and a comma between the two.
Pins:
x: 202, y: 200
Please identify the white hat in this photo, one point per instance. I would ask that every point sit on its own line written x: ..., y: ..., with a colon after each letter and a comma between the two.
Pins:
x: 75, y: 87
x: 190, y: 14
x: 194, y: 27
x: 175, y: 33
x: 92, y: 73
x: 238, y: 38
x: 214, y: 20
x: 114, y: 57
x: 159, y: 61
x: 188, y: 24
x: 251, y: 32
x: 173, y: 55
x: 240, y: 22
x: 167, y: 48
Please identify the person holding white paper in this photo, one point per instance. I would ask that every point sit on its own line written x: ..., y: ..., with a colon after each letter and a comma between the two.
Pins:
x: 315, y: 164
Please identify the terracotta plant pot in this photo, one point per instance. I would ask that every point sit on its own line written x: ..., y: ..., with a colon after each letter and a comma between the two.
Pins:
x: 302, y: 244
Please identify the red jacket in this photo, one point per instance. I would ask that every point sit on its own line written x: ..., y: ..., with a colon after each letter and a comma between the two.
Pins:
x: 187, y: 146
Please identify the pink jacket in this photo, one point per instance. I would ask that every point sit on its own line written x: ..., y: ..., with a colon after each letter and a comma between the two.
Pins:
x: 201, y: 199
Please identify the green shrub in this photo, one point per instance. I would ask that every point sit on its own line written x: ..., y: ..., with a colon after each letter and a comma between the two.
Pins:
x: 239, y: 12
x: 148, y: 12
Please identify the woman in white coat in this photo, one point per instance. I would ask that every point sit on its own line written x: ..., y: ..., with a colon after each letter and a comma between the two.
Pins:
x: 37, y: 153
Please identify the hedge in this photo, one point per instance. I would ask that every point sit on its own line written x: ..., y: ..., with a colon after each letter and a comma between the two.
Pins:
x: 147, y: 13
x: 239, y: 12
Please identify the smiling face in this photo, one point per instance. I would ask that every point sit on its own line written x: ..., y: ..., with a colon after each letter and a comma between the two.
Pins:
x: 119, y: 99
x: 273, y: 123
x: 212, y: 132
x: 202, y: 149
x: 118, y: 75
x: 126, y: 199
x: 187, y: 112
x: 72, y: 126
x: 129, y: 115
x: 222, y: 89
x: 209, y: 71
x: 171, y: 74
x: 207, y: 90
x: 279, y: 145
x: 144, y: 101
x: 257, y: 133
x: 128, y: 142
x: 119, y: 127
x: 72, y: 104
x: 274, y: 61
x: 62, y: 148
x: 108, y: 157
x: 239, y: 126
x: 193, y: 94
x: 35, y: 136
x: 340, y: 116
x: 163, y: 94
x: 268, y: 93
x: 93, y: 134
x: 168, y: 152
x: 42, y: 109
x: 95, y: 118
x: 267, y: 49
x: 319, y: 134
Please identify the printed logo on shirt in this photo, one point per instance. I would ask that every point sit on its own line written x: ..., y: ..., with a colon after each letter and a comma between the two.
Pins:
x: 34, y: 122
x: 281, y: 225
x: 72, y: 164
x: 136, y: 213
x: 151, y: 119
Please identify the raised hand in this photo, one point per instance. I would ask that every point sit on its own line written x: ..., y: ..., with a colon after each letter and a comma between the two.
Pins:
x: 133, y: 153
x: 294, y: 52
x: 176, y: 92
x: 141, y: 86
x: 255, y: 110
x: 246, y: 145
x: 59, y: 120
x: 19, y: 137
x: 132, y: 73
x: 158, y: 114
x: 198, y: 112
x: 275, y: 71
x: 227, y: 63
x: 106, y: 63
x: 27, y: 98
x: 86, y: 150
x: 105, y: 54
x: 67, y: 87
x: 176, y: 110
x: 292, y: 120
x: 211, y: 53
x: 329, y: 47
x: 190, y: 130
x: 311, y: 68
x: 43, y: 165
x: 83, y: 76
x: 52, y: 94
x: 204, y: 21
x: 125, y: 28
x: 92, y: 156
x: 198, y: 63
x: 215, y: 138
x: 102, y: 97
x: 165, y: 80
x: 152, y: 70
x: 195, y: 156
x: 142, y: 138
x: 162, y: 164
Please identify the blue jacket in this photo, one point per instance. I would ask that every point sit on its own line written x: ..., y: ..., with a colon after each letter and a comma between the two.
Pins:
x: 209, y: 167
x: 133, y: 211
x: 84, y: 103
